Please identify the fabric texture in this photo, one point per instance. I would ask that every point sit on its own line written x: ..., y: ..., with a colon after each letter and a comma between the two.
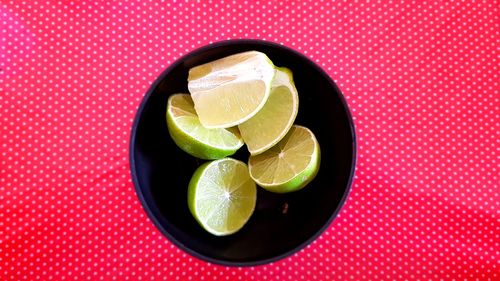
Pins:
x: 421, y: 79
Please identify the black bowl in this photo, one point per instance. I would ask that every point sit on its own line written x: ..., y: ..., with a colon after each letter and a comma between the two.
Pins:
x: 282, y: 224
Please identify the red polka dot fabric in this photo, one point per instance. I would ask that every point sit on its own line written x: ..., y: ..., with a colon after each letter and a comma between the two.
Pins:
x: 421, y: 79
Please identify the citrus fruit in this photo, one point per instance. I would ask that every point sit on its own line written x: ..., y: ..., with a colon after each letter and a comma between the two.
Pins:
x: 289, y: 165
x: 187, y: 132
x: 229, y: 91
x: 272, y: 122
x: 221, y: 196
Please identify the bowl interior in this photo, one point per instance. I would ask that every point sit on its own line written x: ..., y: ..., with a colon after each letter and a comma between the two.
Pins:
x: 281, y: 223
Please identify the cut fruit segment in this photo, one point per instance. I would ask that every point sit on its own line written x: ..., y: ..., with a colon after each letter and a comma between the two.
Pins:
x: 222, y: 196
x: 275, y: 119
x: 187, y: 132
x: 231, y: 90
x: 288, y: 166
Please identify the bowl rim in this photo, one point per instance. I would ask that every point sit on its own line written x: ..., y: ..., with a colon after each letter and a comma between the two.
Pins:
x: 135, y: 179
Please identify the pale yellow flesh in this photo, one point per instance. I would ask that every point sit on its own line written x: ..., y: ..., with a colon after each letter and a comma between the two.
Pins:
x: 225, y: 196
x: 229, y: 91
x: 273, y: 121
x: 290, y: 157
x: 181, y: 108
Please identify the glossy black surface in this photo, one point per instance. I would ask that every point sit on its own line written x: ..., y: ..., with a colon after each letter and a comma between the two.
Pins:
x: 161, y: 171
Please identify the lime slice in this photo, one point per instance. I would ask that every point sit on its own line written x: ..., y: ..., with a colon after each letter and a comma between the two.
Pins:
x: 188, y: 133
x: 273, y: 121
x: 221, y: 196
x: 288, y: 166
x: 231, y: 90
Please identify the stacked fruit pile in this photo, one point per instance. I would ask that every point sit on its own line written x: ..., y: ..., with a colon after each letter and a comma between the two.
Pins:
x: 237, y: 100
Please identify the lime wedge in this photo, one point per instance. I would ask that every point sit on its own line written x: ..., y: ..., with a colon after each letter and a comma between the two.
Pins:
x: 231, y: 90
x: 273, y: 121
x: 221, y: 196
x: 288, y: 166
x: 187, y: 132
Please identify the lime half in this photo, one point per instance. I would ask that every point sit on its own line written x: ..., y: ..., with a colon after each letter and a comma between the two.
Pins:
x: 288, y: 166
x: 221, y: 196
x: 231, y: 90
x: 273, y: 121
x: 187, y: 132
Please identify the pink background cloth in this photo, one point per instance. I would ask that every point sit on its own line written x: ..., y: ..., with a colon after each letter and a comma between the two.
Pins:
x: 421, y: 79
